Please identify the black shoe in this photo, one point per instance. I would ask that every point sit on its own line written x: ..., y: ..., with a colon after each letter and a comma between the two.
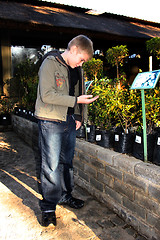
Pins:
x: 48, y: 218
x: 72, y: 202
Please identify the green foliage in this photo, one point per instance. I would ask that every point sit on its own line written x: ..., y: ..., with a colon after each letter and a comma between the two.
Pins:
x: 122, y: 107
x: 153, y: 46
x: 116, y: 55
x: 152, y: 105
x: 93, y: 69
x: 7, y: 105
x: 27, y: 76
x: 100, y: 111
x: 127, y: 107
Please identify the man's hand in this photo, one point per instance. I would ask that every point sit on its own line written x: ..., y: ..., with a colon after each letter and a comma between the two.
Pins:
x: 78, y: 124
x: 87, y: 99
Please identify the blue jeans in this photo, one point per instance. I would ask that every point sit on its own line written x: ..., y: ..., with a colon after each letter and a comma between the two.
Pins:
x: 57, y: 144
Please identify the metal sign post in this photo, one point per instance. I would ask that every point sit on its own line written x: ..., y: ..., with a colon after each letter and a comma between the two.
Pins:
x: 144, y: 125
x: 145, y: 80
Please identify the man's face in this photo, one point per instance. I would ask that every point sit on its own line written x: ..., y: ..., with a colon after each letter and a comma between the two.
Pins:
x: 77, y: 58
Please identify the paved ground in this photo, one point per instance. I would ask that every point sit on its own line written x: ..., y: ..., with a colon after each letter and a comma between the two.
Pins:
x: 20, y: 215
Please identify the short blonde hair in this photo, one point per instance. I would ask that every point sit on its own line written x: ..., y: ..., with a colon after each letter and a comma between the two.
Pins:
x: 83, y: 43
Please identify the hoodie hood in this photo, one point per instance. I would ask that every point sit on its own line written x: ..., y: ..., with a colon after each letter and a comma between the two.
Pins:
x: 54, y: 53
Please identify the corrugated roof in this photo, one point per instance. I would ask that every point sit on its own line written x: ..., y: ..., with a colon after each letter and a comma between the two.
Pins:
x: 60, y: 17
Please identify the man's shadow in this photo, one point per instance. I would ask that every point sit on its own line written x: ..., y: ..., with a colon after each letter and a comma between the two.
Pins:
x: 20, y: 181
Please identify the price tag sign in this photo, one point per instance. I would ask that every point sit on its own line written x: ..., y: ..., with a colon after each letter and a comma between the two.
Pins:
x: 88, y: 130
x: 146, y: 80
x: 138, y: 139
x: 98, y: 138
x: 116, y: 138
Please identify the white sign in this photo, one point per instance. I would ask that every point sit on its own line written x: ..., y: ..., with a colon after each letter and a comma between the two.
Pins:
x: 146, y: 80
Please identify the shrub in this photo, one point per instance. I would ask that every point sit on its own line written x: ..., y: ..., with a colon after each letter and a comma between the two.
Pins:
x: 27, y: 76
x: 122, y: 107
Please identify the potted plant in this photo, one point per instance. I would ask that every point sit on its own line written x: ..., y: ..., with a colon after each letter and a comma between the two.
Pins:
x: 93, y: 70
x: 100, y: 112
x: 152, y: 99
x: 126, y: 112
x: 156, y: 153
x: 6, y: 108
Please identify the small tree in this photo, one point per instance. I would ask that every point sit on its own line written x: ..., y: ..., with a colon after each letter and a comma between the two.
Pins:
x: 153, y: 47
x: 93, y: 69
x: 116, y: 55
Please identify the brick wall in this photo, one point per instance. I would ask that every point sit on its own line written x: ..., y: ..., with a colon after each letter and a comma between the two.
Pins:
x: 127, y: 185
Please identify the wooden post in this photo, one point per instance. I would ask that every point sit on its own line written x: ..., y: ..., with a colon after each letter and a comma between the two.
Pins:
x: 6, y: 62
x: 150, y: 63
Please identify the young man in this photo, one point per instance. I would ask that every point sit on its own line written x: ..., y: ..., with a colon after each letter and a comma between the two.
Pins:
x: 60, y: 109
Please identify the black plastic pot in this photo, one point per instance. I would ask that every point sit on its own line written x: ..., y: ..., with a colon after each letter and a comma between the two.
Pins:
x: 30, y: 116
x: 18, y: 111
x: 156, y: 153
x: 123, y: 143
x: 91, y: 133
x: 104, y: 138
x: 138, y: 148
x: 80, y: 133
x: 5, y: 119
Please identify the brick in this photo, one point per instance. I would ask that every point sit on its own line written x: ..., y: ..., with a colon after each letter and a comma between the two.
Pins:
x: 86, y: 147
x: 124, y: 189
x: 90, y: 171
x: 84, y: 157
x: 79, y: 164
x: 99, y: 165
x: 96, y: 184
x: 147, y: 231
x: 106, y: 155
x: 147, y: 202
x: 83, y: 175
x: 113, y: 172
x: 116, y: 196
x: 134, y: 207
x: 125, y: 163
x: 153, y: 220
x: 135, y: 182
x: 148, y: 171
x: 79, y: 144
x: 154, y: 191
x: 107, y: 180
x: 117, y: 221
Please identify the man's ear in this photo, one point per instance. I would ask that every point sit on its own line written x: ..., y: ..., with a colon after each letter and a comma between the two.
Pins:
x: 74, y: 50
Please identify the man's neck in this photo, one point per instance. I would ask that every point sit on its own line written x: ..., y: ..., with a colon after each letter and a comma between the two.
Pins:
x: 65, y: 56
